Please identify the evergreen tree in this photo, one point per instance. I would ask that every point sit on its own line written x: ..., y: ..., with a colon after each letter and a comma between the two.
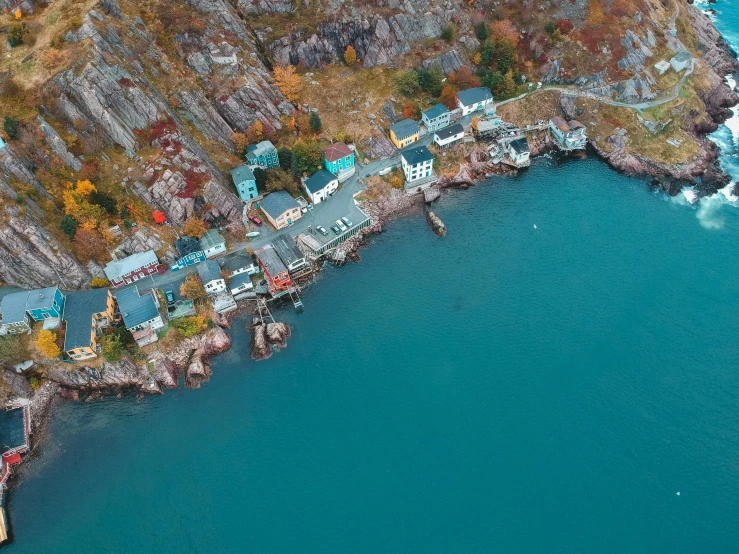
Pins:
x: 105, y: 201
x: 481, y: 31
x: 430, y: 80
x: 505, y: 55
x: 286, y: 157
x: 69, y: 226
x: 407, y: 83
x: 10, y: 126
x: 315, y: 122
x: 260, y: 176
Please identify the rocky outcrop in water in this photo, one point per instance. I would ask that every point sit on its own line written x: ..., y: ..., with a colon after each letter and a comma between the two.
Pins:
x: 435, y: 222
x: 264, y: 336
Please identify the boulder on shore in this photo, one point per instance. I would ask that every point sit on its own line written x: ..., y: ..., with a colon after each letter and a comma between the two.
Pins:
x: 264, y: 336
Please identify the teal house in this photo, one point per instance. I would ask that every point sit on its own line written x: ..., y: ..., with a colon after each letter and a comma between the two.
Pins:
x: 45, y: 303
x: 338, y: 159
x: 245, y: 182
x: 263, y: 154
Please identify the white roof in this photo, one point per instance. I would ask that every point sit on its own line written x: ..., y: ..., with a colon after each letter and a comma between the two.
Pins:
x: 119, y: 268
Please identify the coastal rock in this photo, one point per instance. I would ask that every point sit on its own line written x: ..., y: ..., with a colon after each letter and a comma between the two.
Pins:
x: 264, y: 336
x: 435, y: 222
x: 18, y: 383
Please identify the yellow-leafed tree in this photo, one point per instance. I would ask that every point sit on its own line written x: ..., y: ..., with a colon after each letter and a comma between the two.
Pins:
x: 85, y: 188
x: 194, y: 227
x: 289, y: 82
x: 350, y: 55
x: 46, y: 345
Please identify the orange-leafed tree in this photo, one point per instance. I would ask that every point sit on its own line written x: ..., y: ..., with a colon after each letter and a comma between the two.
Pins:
x: 159, y: 217
x: 504, y: 29
x: 46, y: 345
x: 194, y: 227
x: 240, y: 143
x: 463, y: 79
x: 350, y: 55
x: 408, y: 110
x: 89, y: 244
x: 192, y: 288
x: 255, y: 133
x: 85, y: 188
x: 289, y: 82
x: 448, y: 97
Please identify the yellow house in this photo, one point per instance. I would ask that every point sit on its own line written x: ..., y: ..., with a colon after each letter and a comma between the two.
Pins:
x: 404, y: 132
x: 281, y: 209
x: 86, y: 315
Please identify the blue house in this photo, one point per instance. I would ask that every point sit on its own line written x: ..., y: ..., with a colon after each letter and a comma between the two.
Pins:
x: 13, y: 311
x: 190, y: 253
x: 338, y: 159
x: 245, y: 182
x: 45, y: 303
x: 436, y: 118
x: 263, y: 154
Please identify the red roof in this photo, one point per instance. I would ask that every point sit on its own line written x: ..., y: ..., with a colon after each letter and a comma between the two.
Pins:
x: 12, y: 459
x: 336, y: 151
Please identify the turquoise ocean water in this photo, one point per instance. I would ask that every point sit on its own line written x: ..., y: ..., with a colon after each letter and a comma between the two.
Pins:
x: 546, y: 378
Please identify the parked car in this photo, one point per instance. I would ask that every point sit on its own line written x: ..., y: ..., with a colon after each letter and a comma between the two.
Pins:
x: 304, y: 210
x: 346, y: 221
x: 340, y: 225
x: 335, y: 229
x: 169, y: 295
x: 321, y: 230
x: 255, y: 220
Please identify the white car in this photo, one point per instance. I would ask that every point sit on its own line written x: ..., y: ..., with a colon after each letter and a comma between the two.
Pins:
x: 340, y: 225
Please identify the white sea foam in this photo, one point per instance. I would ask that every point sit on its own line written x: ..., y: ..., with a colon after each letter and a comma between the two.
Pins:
x: 690, y: 195
x: 709, y: 213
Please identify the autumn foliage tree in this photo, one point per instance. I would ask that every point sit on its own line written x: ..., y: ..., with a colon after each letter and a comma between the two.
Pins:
x: 89, y: 244
x: 448, y: 97
x: 289, y: 82
x: 255, y: 133
x: 240, y: 142
x: 192, y: 288
x: 194, y: 227
x: 46, y: 345
x: 159, y: 217
x: 350, y: 55
x: 85, y: 188
x: 463, y: 79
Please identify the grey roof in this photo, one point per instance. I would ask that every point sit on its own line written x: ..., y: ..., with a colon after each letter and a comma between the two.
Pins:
x: 417, y: 155
x: 12, y: 429
x: 259, y: 148
x: 271, y: 261
x: 242, y: 173
x: 174, y: 286
x: 209, y: 270
x: 236, y: 261
x: 238, y: 280
x: 436, y: 111
x: 682, y: 56
x: 78, y: 310
x: 319, y: 180
x: 474, y: 95
x: 447, y: 132
x: 134, y: 308
x: 405, y: 128
x: 13, y: 307
x: 117, y: 269
x: 187, y: 245
x: 575, y: 124
x: 40, y: 299
x: 277, y: 203
x: 287, y: 250
x: 520, y: 145
x: 210, y: 239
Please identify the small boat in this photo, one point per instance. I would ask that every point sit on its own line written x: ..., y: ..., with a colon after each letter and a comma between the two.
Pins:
x: 252, y: 234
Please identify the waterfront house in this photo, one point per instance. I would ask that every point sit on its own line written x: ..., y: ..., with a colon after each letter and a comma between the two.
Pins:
x: 662, y: 66
x: 681, y: 61
x: 518, y: 152
x: 290, y: 254
x: 240, y: 283
x: 262, y: 154
x: 212, y: 243
x: 45, y: 303
x: 237, y: 263
x: 320, y: 185
x: 474, y: 99
x: 275, y: 271
x: 210, y: 274
x: 568, y: 135
x: 190, y: 253
x: 15, y: 319
x: 338, y: 159
x: 281, y: 209
x: 436, y: 118
x: 85, y: 316
x: 444, y: 138
x: 180, y: 306
x: 245, y: 183
x: 417, y: 163
x: 404, y: 132
x: 140, y: 314
x: 132, y: 268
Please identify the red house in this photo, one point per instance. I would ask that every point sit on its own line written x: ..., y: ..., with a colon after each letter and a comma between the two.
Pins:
x: 275, y: 272
x: 134, y: 267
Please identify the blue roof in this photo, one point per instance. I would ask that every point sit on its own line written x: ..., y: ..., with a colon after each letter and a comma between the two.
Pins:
x: 238, y: 280
x: 417, y: 155
x: 319, y: 180
x: 134, y: 308
x: 41, y: 299
x: 260, y: 148
x: 436, y: 111
x: 78, y: 310
x: 474, y: 95
x: 13, y: 307
x: 405, y: 128
x: 278, y: 203
x: 242, y: 173
x: 12, y: 429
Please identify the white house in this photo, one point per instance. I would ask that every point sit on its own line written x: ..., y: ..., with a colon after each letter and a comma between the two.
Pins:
x: 418, y: 163
x: 662, y: 67
x: 519, y: 153
x: 474, y: 99
x: 240, y: 283
x: 210, y: 275
x: 681, y: 61
x: 321, y: 185
x: 212, y: 243
x: 444, y: 138
x: 436, y: 118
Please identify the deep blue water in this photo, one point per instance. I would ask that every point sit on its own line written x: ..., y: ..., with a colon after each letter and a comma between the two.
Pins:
x: 545, y: 378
